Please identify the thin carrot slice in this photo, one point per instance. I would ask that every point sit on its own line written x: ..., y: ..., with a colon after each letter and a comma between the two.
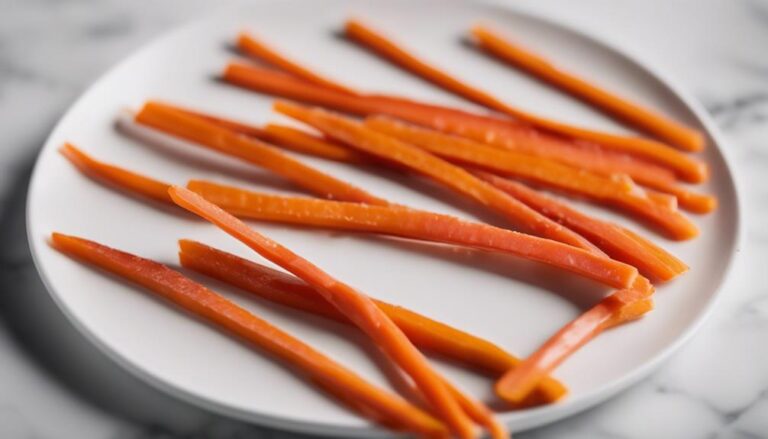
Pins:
x: 360, y: 309
x: 171, y: 121
x: 414, y: 224
x: 424, y: 332
x: 361, y: 138
x: 257, y: 49
x: 118, y: 177
x: 232, y: 125
x: 627, y: 304
x: 199, y: 300
x: 649, y: 259
x: 528, y: 167
x: 646, y: 119
x: 686, y: 199
x: 689, y: 168
x: 493, y: 131
x: 306, y: 143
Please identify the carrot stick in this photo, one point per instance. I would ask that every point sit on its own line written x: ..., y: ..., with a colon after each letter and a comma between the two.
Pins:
x: 171, y: 121
x: 531, y: 168
x: 686, y: 199
x: 303, y: 142
x: 516, y: 384
x: 356, y: 306
x: 424, y: 332
x: 257, y: 49
x: 199, y: 300
x: 649, y: 259
x: 414, y: 224
x: 688, y: 167
x: 654, y: 123
x: 363, y: 139
x: 494, y: 131
x: 115, y: 176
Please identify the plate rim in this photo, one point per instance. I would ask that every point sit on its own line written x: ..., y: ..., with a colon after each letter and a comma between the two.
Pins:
x: 537, y: 417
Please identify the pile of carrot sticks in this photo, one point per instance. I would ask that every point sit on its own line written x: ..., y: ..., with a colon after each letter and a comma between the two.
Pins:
x: 519, y: 166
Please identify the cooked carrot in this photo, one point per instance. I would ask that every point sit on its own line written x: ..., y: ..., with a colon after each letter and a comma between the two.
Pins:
x: 257, y: 49
x: 118, y: 177
x: 415, y: 224
x: 199, y: 300
x: 686, y: 199
x: 496, y: 132
x: 303, y: 142
x: 424, y: 332
x: 517, y: 384
x: 689, y: 168
x: 648, y: 120
x: 528, y: 167
x: 170, y: 120
x: 357, y: 307
x: 457, y: 179
x: 613, y: 239
x: 232, y: 125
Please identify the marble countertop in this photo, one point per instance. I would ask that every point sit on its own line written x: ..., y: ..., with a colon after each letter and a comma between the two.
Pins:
x: 54, y: 384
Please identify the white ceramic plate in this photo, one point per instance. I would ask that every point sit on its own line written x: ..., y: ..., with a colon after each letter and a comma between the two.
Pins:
x: 515, y: 304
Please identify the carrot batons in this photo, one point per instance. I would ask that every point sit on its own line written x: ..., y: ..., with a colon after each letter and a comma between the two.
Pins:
x: 357, y: 307
x: 118, y: 177
x: 199, y: 300
x: 361, y: 138
x: 616, y: 308
x: 688, y: 167
x: 615, y: 240
x: 424, y: 332
x: 643, y: 118
x: 171, y: 120
x: 257, y: 49
x: 414, y: 224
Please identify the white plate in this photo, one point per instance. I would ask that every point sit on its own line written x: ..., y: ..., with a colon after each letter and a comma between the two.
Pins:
x: 512, y: 303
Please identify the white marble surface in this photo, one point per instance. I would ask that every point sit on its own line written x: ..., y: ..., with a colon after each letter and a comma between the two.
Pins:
x: 53, y: 384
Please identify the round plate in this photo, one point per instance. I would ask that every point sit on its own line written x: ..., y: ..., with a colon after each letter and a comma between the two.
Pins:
x: 513, y: 303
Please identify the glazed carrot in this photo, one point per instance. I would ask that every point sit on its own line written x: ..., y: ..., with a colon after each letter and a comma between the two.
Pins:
x: 199, y: 300
x: 257, y: 49
x: 360, y: 309
x: 528, y: 167
x: 654, y: 123
x: 424, y: 332
x: 516, y: 384
x: 118, y: 177
x: 649, y: 259
x: 686, y: 199
x: 688, y: 167
x: 232, y: 125
x: 496, y: 132
x: 171, y: 121
x: 303, y: 142
x: 457, y: 179
x: 414, y: 224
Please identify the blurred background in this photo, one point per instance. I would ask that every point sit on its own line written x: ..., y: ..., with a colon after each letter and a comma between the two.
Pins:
x: 54, y: 384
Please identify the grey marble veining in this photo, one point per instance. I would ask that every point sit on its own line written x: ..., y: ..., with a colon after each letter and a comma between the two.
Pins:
x: 54, y: 384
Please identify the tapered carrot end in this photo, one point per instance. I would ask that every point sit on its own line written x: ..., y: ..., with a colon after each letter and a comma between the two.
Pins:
x: 511, y: 388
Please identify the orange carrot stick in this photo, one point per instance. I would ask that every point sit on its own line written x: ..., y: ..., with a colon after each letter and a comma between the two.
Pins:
x: 689, y: 168
x: 360, y: 309
x: 516, y: 384
x: 168, y: 119
x: 686, y: 199
x: 199, y: 300
x: 494, y: 131
x: 303, y: 142
x: 649, y: 259
x: 424, y: 332
x: 361, y: 138
x: 654, y: 123
x: 118, y: 177
x: 531, y: 168
x: 257, y: 49
x: 414, y: 224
